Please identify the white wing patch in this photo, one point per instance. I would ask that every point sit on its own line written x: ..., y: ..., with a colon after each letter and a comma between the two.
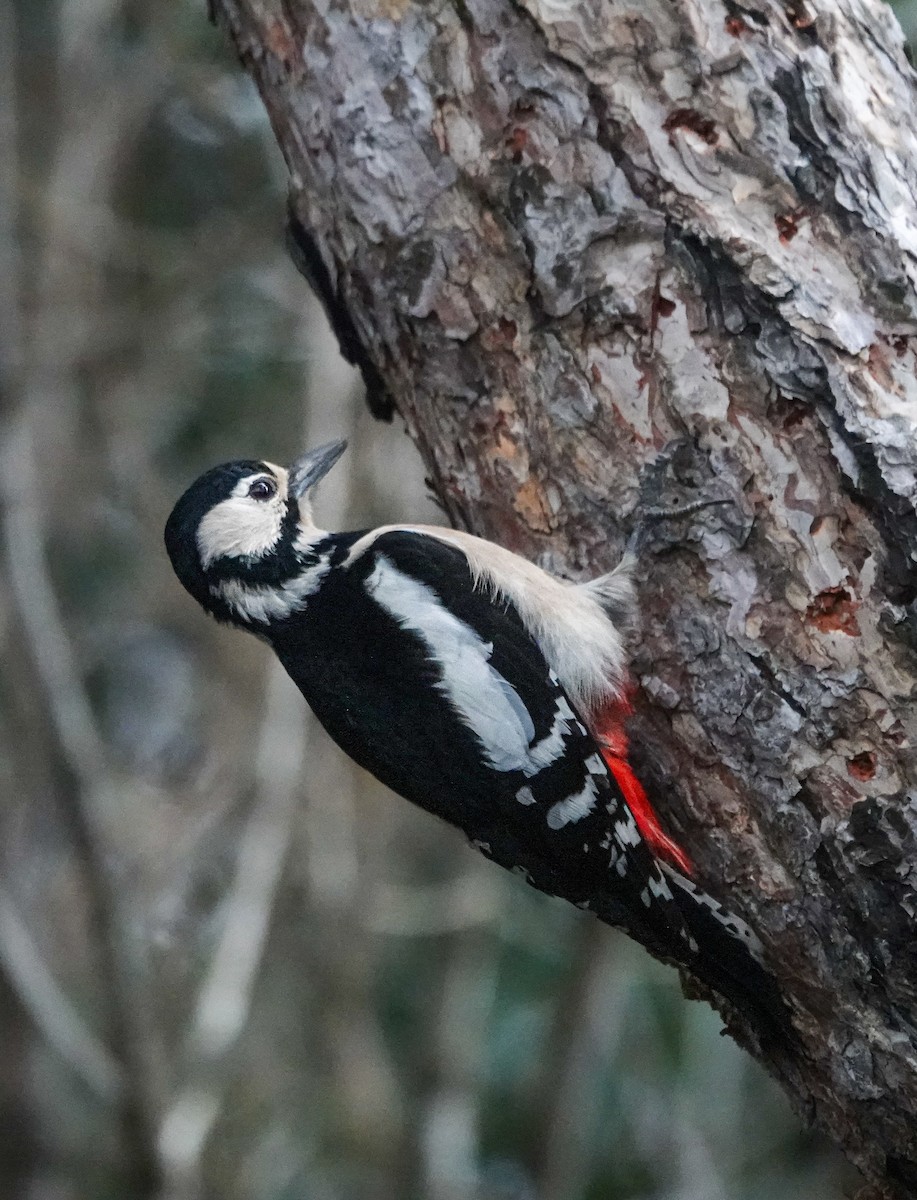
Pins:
x: 486, y: 702
x: 625, y: 827
x: 573, y: 808
x: 263, y: 603
x: 577, y: 637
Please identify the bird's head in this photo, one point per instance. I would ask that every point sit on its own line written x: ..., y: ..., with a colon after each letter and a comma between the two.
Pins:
x: 242, y: 539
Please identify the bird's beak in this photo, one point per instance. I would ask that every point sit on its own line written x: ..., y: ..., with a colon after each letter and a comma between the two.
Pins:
x: 309, y: 468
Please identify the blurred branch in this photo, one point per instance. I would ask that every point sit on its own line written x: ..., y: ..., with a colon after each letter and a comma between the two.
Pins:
x: 51, y: 1009
x: 82, y: 752
x: 458, y: 1050
x: 689, y: 1171
x: 225, y: 998
x: 82, y: 23
x: 10, y: 340
x: 588, y: 1020
x: 464, y: 903
x: 47, y: 640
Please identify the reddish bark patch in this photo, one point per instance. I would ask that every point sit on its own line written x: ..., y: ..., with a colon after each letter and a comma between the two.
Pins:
x: 690, y: 119
x: 499, y: 335
x: 660, y: 306
x: 530, y: 504
x: 788, y: 225
x: 796, y: 416
x: 834, y: 611
x: 798, y: 15
x: 862, y: 766
x: 736, y: 26
x: 880, y: 367
x: 517, y: 142
x: 281, y: 42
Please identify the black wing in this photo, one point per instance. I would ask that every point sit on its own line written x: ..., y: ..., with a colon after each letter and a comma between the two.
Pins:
x: 439, y: 691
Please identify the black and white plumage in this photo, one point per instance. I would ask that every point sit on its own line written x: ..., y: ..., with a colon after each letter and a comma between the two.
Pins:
x: 470, y: 682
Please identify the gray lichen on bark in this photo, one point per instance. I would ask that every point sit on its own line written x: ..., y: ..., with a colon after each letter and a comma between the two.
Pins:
x: 570, y: 233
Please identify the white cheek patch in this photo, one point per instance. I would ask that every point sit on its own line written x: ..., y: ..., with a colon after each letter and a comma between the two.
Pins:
x: 241, y: 527
x: 262, y: 605
x: 573, y: 808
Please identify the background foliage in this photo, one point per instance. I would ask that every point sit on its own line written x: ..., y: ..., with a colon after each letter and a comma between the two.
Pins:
x: 224, y: 951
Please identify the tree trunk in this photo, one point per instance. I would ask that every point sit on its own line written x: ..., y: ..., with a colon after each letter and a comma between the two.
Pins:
x: 566, y: 235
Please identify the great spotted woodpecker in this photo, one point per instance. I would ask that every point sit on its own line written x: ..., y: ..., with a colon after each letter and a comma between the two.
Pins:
x: 474, y: 684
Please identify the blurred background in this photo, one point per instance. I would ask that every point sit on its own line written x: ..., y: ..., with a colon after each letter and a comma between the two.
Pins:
x: 231, y: 965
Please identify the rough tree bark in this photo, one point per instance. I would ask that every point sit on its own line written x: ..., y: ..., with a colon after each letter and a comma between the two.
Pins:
x: 567, y: 234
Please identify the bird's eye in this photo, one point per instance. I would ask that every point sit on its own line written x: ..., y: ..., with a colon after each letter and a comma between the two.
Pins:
x: 262, y: 489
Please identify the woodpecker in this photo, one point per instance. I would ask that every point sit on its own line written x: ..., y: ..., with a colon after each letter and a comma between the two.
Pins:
x: 474, y: 684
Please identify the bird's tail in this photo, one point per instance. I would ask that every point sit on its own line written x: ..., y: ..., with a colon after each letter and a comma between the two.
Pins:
x: 724, y: 953
x: 688, y: 927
